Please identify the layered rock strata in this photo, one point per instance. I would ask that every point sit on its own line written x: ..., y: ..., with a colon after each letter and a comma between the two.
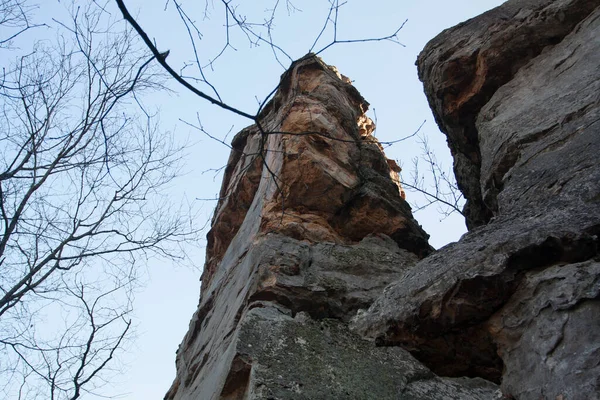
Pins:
x: 463, y: 67
x: 517, y: 299
x: 311, y: 226
x: 312, y: 234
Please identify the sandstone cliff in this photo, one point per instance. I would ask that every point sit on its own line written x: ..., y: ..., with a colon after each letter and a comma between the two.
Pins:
x: 319, y: 283
x: 311, y: 226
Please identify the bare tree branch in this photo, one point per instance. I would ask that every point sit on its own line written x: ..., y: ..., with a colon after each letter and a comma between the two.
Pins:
x: 83, y: 167
x: 437, y: 186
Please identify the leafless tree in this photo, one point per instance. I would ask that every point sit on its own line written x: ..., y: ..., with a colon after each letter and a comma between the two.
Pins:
x: 436, y: 185
x: 83, y: 172
x: 15, y: 19
x: 257, y: 31
x: 83, y: 169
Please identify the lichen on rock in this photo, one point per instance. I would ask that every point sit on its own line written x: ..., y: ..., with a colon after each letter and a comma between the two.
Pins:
x: 311, y: 221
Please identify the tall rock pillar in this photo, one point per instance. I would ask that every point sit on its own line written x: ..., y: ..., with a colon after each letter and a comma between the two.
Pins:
x: 310, y: 227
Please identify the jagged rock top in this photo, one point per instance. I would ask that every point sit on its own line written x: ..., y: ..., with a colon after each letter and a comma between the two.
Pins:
x: 310, y: 169
x: 311, y: 220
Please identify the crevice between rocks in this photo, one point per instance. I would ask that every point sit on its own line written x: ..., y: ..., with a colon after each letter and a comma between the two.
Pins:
x: 237, y: 382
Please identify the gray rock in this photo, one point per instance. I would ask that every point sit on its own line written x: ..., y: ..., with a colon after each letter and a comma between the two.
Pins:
x: 538, y: 134
x: 553, y: 318
x: 464, y: 66
x: 324, y: 280
x: 439, y: 307
x: 517, y: 91
x: 515, y: 302
x: 311, y: 222
x: 280, y: 357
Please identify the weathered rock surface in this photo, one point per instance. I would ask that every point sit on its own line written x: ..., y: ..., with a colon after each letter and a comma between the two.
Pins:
x: 464, y: 66
x: 280, y: 357
x: 516, y: 300
x: 311, y: 171
x: 559, y: 327
x: 311, y: 226
x: 314, y: 257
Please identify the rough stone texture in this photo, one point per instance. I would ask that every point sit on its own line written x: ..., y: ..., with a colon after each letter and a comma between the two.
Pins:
x: 465, y: 65
x: 333, y: 183
x: 300, y: 358
x: 311, y: 226
x: 516, y: 300
x: 440, y: 307
x: 560, y: 325
x: 328, y: 280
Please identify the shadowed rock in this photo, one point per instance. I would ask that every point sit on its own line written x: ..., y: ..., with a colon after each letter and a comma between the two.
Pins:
x: 463, y: 67
x: 312, y: 171
x: 517, y: 92
x: 312, y: 232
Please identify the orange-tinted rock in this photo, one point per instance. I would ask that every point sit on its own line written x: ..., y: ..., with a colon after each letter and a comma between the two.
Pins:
x: 311, y: 221
x: 324, y: 176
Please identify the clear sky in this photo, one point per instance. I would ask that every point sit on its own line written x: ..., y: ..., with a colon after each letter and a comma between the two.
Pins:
x: 383, y: 72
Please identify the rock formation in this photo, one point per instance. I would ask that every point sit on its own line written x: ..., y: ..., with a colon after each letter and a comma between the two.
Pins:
x: 318, y: 282
x: 311, y: 226
x: 516, y: 300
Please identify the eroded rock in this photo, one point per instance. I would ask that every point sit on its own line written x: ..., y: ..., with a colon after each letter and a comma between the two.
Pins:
x: 465, y: 65
x: 312, y: 227
x: 300, y: 358
x: 554, y: 318
x: 517, y: 92
x: 312, y: 221
x: 312, y: 170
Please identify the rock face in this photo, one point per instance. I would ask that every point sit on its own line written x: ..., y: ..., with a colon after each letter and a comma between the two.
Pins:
x: 516, y: 300
x: 311, y: 226
x: 463, y: 67
x: 319, y: 284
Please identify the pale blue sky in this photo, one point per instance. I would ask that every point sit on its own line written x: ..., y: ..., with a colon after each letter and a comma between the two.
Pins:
x: 383, y: 72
